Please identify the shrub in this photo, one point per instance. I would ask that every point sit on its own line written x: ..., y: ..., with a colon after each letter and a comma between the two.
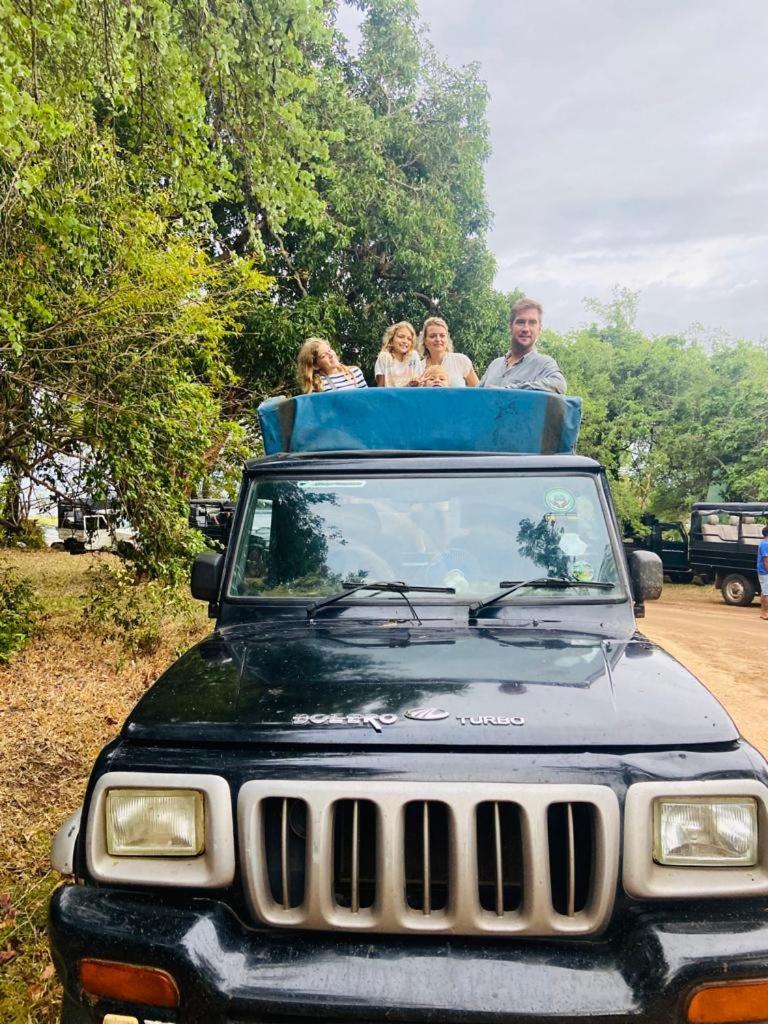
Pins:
x: 29, y: 534
x: 20, y: 612
x: 122, y: 607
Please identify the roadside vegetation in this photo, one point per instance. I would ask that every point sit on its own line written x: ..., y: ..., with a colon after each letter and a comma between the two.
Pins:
x: 61, y: 699
x: 187, y: 192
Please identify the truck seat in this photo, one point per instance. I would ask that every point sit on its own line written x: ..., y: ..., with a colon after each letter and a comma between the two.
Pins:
x: 710, y: 530
x: 731, y: 531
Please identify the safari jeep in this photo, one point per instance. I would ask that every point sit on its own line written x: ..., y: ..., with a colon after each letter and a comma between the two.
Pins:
x: 424, y: 769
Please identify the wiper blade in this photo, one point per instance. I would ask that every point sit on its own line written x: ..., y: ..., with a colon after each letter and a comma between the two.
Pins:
x: 394, y: 587
x: 555, y: 582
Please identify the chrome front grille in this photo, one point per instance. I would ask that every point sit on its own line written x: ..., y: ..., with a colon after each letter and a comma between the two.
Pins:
x: 469, y: 859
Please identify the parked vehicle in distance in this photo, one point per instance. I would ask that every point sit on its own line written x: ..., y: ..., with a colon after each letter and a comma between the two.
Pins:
x: 425, y: 769
x: 669, y: 540
x: 213, y: 517
x: 88, y: 525
x: 723, y: 542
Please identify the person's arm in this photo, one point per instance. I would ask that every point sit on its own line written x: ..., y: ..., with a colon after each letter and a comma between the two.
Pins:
x: 549, y: 379
x: 466, y: 369
x: 552, y: 382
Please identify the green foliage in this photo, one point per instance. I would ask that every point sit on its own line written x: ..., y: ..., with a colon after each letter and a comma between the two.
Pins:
x: 133, y: 612
x: 403, y: 235
x: 20, y: 612
x: 665, y: 417
x: 734, y: 412
x: 187, y: 191
x: 29, y: 535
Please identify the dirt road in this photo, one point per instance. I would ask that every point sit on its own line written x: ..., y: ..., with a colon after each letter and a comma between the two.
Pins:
x: 725, y: 646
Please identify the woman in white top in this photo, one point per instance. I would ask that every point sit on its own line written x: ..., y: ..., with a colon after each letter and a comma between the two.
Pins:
x: 398, y: 363
x: 436, y: 347
x: 319, y: 369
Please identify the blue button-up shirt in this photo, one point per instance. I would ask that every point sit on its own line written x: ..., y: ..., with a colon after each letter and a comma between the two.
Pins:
x: 534, y: 371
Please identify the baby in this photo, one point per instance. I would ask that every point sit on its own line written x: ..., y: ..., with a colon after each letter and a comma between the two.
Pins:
x: 435, y: 377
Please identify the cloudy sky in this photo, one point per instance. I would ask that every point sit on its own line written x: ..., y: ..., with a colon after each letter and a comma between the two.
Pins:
x: 630, y: 148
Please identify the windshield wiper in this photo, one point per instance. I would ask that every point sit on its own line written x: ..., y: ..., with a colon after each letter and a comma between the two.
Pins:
x: 554, y: 582
x: 394, y: 587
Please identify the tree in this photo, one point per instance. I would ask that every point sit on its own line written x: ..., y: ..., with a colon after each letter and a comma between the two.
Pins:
x: 665, y: 417
x: 121, y: 128
x: 406, y: 216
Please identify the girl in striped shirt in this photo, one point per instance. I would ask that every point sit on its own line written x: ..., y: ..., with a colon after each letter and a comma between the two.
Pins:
x: 319, y: 369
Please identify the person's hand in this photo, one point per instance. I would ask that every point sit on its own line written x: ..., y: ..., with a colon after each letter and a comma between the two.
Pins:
x: 456, y: 579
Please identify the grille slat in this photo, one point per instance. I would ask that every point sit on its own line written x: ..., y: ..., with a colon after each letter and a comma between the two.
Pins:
x: 499, y: 866
x: 356, y: 857
x: 284, y: 855
x: 572, y: 855
x: 354, y: 880
x: 282, y: 843
x: 398, y: 857
x: 499, y: 857
x: 427, y: 882
x: 571, y: 863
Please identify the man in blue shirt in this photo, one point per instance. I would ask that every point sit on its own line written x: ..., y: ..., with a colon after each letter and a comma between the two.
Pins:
x: 762, y: 573
x: 522, y: 366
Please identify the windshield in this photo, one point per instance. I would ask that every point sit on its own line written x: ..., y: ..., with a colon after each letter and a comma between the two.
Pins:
x: 308, y: 538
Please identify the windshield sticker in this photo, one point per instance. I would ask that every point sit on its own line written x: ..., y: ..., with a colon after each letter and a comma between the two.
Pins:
x: 559, y: 500
x: 583, y: 571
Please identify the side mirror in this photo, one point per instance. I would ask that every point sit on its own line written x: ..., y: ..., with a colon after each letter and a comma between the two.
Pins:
x: 647, y: 575
x: 207, y: 570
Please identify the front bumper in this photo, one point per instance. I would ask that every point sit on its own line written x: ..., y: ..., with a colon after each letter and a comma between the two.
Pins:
x: 230, y: 974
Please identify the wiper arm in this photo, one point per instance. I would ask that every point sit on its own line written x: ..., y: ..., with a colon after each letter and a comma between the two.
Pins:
x: 394, y: 587
x: 554, y: 582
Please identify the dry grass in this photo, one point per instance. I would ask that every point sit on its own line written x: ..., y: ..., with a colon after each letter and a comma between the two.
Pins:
x: 60, y: 701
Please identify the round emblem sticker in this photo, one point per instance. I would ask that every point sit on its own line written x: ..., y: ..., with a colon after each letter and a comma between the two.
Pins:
x: 559, y: 500
x: 583, y: 571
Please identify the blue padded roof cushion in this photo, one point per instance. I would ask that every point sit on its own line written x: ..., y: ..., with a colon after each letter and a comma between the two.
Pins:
x: 422, y: 419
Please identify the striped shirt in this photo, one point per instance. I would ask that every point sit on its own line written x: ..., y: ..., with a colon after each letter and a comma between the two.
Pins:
x: 339, y: 381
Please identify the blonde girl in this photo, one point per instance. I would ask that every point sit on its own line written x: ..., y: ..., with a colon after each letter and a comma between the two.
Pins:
x: 436, y: 348
x: 398, y: 362
x: 319, y: 369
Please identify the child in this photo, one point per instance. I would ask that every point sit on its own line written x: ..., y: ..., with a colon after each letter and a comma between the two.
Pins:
x: 398, y: 363
x: 435, y: 377
x: 319, y: 369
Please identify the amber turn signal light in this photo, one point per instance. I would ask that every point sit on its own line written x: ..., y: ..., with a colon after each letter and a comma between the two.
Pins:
x: 738, y: 1002
x: 108, y: 980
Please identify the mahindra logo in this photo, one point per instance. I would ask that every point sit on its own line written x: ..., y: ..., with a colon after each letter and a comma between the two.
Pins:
x: 426, y: 714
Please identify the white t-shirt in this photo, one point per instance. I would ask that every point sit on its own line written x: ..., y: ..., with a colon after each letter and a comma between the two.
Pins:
x: 457, y: 366
x: 398, y: 373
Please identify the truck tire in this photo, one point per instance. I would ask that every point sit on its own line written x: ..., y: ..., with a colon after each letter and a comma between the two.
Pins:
x: 737, y: 589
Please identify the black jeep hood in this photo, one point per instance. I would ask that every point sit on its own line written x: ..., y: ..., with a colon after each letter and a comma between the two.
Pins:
x: 468, y: 687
